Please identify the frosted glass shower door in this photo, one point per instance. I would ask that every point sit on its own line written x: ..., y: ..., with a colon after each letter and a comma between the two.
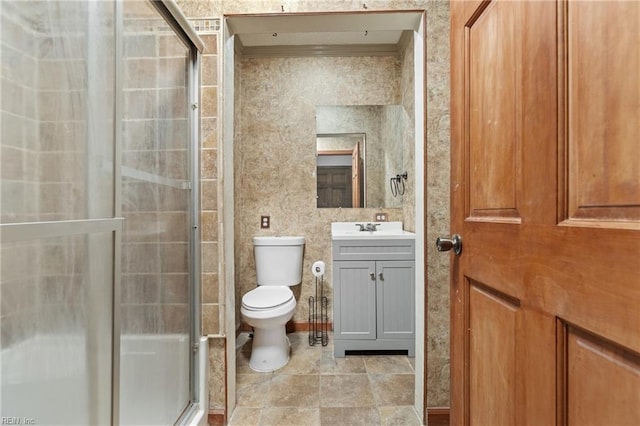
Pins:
x: 156, y: 200
x: 57, y: 228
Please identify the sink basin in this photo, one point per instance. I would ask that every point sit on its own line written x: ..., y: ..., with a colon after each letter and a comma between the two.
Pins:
x: 385, y: 230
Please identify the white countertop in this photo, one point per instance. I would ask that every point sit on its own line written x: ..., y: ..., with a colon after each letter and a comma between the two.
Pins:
x: 384, y: 230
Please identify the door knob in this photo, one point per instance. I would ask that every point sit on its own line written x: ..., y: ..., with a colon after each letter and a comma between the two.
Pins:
x: 446, y: 244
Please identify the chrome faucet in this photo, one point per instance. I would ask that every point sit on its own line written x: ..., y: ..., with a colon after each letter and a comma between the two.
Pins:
x: 370, y: 227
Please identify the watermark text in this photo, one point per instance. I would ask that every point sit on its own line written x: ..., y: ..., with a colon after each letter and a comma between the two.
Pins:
x: 6, y: 420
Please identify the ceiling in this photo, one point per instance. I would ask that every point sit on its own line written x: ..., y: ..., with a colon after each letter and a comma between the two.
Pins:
x: 365, y: 33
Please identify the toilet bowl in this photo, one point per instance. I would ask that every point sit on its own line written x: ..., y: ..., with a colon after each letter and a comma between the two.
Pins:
x: 268, y: 307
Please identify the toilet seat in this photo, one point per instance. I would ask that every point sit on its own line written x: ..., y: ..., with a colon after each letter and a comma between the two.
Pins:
x: 266, y: 297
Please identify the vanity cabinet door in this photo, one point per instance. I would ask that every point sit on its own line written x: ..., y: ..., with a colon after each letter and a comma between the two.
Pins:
x: 396, y: 299
x: 355, y: 300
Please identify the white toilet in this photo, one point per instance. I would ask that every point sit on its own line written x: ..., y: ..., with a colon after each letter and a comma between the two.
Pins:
x: 268, y: 307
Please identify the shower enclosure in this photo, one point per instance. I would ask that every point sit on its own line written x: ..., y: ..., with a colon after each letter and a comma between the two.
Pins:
x: 98, y: 213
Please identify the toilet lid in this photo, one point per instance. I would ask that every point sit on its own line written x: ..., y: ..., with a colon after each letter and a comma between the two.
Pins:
x: 267, y: 297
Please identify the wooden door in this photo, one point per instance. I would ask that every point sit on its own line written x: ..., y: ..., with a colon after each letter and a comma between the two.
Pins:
x: 334, y: 186
x: 545, y: 296
x: 356, y: 178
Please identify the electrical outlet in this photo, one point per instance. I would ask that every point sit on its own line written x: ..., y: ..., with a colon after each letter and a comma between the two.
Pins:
x: 265, y: 222
x: 381, y: 217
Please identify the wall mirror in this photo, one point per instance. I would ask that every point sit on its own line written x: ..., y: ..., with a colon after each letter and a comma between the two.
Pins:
x: 358, y: 148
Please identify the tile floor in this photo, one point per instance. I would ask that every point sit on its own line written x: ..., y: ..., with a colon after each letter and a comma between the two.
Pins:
x: 315, y: 388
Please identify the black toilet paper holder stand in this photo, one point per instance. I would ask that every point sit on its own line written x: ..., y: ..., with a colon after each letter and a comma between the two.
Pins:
x: 318, y: 323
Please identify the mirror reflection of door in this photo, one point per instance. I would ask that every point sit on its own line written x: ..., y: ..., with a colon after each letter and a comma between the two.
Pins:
x: 339, y: 175
x: 341, y: 170
x: 356, y: 178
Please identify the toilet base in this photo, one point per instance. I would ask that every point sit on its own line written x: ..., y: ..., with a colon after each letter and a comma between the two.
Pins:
x: 270, y: 349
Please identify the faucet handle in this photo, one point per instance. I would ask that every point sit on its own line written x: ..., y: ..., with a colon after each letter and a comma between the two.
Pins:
x: 375, y: 226
x: 361, y: 226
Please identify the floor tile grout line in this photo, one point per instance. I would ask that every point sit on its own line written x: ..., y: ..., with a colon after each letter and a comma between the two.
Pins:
x: 323, y: 369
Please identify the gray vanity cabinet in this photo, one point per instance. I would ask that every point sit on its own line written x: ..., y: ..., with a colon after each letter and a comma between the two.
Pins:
x: 374, y: 296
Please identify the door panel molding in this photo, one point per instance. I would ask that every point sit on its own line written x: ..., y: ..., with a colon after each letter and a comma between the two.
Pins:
x: 601, y: 99
x: 493, y: 343
x: 585, y: 362
x: 492, y: 99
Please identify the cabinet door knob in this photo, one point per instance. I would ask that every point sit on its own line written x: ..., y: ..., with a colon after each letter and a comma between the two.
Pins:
x: 381, y: 277
x: 373, y: 276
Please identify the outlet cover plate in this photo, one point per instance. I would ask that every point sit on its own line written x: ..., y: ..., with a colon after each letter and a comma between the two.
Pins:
x: 381, y: 217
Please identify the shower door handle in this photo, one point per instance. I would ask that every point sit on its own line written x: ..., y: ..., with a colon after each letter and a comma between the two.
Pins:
x: 446, y: 244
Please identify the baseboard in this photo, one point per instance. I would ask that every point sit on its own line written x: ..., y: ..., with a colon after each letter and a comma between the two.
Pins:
x: 292, y: 327
x: 244, y: 328
x: 216, y: 418
x: 438, y: 416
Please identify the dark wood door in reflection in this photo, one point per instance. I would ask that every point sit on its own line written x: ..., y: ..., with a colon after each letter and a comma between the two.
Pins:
x: 334, y: 186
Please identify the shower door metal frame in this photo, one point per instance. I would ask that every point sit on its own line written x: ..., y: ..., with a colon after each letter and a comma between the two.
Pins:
x: 118, y: 110
x: 195, y: 242
x: 172, y: 15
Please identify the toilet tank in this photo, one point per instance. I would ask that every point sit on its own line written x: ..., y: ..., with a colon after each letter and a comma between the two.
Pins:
x: 278, y: 260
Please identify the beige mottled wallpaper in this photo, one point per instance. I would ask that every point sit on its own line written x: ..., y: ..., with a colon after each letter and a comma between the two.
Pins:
x: 275, y: 153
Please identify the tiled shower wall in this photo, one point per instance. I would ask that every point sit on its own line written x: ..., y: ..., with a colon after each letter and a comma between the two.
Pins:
x: 45, y: 158
x: 20, y: 192
x: 437, y: 124
x: 56, y: 291
x: 212, y: 292
x: 155, y: 159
